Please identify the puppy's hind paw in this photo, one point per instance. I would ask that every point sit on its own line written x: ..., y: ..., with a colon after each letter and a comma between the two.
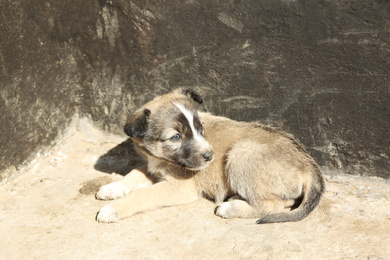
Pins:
x: 225, y: 210
x: 235, y: 208
x: 112, y: 191
x: 107, y: 215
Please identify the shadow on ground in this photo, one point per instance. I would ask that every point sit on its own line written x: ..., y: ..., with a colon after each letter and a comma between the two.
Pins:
x: 121, y: 159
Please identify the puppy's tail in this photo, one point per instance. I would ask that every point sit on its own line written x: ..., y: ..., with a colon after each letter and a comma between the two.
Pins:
x: 311, y: 197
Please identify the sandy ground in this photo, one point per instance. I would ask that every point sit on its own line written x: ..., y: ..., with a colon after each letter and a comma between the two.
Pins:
x: 48, y: 212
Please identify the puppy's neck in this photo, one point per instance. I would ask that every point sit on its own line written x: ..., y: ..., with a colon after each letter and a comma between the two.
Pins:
x: 154, y: 164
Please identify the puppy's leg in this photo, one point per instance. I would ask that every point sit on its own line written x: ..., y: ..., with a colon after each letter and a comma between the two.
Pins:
x: 161, y: 194
x: 238, y: 208
x: 136, y: 179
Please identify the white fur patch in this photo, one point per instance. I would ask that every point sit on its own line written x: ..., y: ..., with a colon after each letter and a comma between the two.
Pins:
x: 190, y: 117
x: 107, y: 215
x: 112, y: 191
x: 223, y: 210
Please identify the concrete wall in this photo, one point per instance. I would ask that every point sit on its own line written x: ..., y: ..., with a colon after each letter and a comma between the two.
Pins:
x: 317, y: 69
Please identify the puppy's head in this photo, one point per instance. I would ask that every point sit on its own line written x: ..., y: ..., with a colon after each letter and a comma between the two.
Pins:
x: 169, y: 129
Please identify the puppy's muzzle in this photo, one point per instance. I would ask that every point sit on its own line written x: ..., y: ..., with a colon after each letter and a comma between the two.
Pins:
x: 208, y: 156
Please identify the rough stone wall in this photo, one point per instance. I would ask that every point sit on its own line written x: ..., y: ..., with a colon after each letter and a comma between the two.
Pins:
x: 319, y: 70
x: 38, y: 82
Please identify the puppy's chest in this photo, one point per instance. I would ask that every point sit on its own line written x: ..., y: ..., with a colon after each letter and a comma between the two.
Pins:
x: 211, y: 182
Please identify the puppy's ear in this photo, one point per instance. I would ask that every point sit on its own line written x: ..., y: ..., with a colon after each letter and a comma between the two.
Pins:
x: 137, y: 124
x: 193, y: 94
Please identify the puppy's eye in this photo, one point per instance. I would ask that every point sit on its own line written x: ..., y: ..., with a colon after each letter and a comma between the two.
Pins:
x: 175, y: 138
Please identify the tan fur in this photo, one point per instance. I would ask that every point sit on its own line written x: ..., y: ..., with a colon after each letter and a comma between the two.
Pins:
x: 264, y: 171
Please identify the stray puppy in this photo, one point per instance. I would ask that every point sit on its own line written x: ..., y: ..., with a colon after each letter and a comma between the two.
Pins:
x: 248, y: 169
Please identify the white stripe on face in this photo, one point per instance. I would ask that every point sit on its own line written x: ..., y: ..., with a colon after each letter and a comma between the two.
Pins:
x: 190, y: 117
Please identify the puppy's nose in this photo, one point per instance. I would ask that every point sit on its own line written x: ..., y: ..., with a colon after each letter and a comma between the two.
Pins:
x: 208, y: 156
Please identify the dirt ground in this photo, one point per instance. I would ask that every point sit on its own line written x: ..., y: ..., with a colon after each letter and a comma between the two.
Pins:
x: 48, y: 212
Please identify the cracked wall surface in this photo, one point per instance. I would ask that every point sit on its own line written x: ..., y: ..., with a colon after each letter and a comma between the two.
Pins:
x: 317, y: 70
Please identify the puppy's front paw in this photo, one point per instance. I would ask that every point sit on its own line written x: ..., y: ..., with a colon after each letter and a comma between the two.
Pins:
x: 107, y: 215
x: 112, y: 191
